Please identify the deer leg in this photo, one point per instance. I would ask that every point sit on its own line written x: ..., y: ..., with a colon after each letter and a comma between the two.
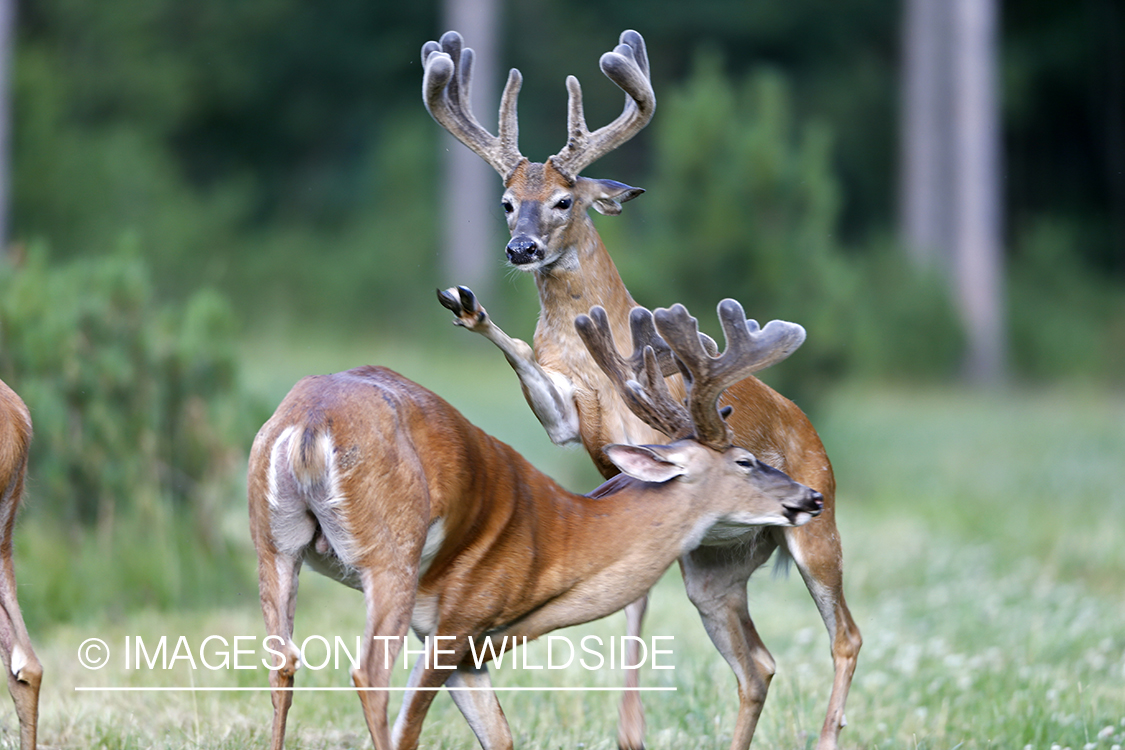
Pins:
x: 631, y: 713
x: 277, y: 587
x: 390, y: 602
x: 716, y: 584
x: 818, y: 556
x: 25, y: 673
x: 24, y: 670
x: 550, y: 396
x: 427, y: 674
x: 480, y: 707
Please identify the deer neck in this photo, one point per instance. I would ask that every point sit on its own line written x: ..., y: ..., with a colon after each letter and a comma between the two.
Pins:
x: 613, y: 524
x: 585, y: 276
x: 606, y: 551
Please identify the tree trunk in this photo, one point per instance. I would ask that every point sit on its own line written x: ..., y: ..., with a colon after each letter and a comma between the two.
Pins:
x: 950, y: 180
x: 977, y: 246
x: 472, y: 247
x: 7, y: 52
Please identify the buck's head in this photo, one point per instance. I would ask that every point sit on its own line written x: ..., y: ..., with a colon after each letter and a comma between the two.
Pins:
x: 545, y: 203
x: 545, y: 211
x: 737, y: 489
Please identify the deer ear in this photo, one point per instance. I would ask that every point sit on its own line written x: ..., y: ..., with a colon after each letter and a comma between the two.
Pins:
x: 606, y: 196
x: 649, y: 463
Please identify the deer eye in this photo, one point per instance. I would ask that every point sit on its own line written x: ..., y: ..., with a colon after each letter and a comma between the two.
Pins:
x: 746, y: 463
x: 563, y: 204
x: 508, y: 207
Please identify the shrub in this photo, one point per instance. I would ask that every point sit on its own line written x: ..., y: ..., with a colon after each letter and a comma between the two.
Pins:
x: 140, y: 422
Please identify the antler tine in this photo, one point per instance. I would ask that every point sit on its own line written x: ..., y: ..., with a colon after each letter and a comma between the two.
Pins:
x: 627, y: 66
x: 651, y: 402
x: 446, y: 85
x: 748, y: 350
x: 644, y: 334
x: 645, y: 337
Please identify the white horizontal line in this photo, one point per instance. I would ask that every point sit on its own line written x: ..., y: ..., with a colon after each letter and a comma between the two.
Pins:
x: 115, y: 689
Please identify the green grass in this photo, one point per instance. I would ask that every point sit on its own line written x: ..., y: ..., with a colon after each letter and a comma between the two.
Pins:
x: 984, y: 564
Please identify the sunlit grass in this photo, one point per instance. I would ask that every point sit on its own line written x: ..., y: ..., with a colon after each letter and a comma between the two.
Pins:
x: 984, y: 564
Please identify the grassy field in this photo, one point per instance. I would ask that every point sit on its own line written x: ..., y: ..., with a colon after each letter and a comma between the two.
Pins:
x: 984, y: 563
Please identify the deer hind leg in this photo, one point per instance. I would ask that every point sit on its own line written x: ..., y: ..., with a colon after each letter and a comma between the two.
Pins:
x: 277, y: 587
x: 389, y: 592
x: 480, y: 707
x: 631, y: 712
x: 818, y: 557
x: 24, y: 670
x: 716, y: 584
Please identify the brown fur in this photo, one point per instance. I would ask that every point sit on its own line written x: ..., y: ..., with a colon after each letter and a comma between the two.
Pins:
x: 519, y: 555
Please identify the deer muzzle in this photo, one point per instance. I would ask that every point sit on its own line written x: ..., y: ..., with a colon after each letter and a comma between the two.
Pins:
x: 803, y: 509
x: 523, y: 249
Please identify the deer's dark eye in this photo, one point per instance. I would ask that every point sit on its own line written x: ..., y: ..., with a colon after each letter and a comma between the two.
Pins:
x: 508, y: 207
x: 563, y: 204
x: 746, y: 463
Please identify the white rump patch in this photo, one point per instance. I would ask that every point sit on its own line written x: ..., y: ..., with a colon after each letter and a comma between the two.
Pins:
x: 291, y: 500
x: 327, y: 502
x: 276, y: 452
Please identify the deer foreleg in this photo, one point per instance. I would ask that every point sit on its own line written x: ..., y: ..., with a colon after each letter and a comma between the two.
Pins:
x: 716, y: 584
x: 480, y: 707
x: 631, y: 712
x: 431, y: 670
x: 549, y: 395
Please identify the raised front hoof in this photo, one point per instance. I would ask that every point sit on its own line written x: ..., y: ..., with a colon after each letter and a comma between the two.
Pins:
x: 461, y: 301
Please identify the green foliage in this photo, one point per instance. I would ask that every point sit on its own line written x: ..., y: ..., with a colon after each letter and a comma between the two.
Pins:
x: 380, y: 261
x: 140, y: 422
x: 746, y: 205
x: 1065, y: 322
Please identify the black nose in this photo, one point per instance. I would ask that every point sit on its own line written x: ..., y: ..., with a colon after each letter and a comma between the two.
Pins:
x: 523, y: 249
x: 817, y: 501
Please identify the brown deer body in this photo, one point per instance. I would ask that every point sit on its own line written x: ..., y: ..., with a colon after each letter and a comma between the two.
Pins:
x: 554, y: 238
x: 382, y: 485
x: 24, y: 670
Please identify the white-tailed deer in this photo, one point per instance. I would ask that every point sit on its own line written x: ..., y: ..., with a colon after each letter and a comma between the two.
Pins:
x: 553, y: 237
x: 24, y: 670
x: 383, y: 486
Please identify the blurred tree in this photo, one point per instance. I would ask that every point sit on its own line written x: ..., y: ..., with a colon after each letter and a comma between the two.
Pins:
x: 470, y: 189
x: 950, y: 201
x: 7, y: 35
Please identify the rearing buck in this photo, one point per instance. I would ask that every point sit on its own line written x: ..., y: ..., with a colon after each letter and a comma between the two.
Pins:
x: 24, y: 670
x: 383, y: 486
x: 553, y: 238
